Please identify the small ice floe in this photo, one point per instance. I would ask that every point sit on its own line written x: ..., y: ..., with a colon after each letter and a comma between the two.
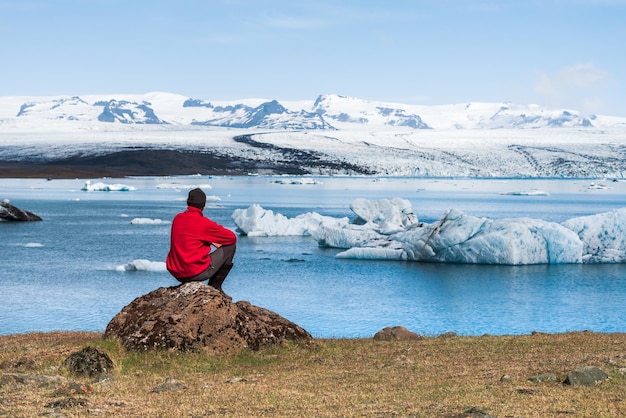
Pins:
x: 180, y: 186
x: 598, y: 186
x: 31, y: 245
x: 209, y: 198
x: 526, y: 193
x: 299, y: 180
x: 142, y: 265
x: 103, y: 187
x: 148, y: 221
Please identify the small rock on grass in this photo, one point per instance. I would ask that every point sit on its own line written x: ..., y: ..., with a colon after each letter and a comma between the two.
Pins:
x: 585, y: 376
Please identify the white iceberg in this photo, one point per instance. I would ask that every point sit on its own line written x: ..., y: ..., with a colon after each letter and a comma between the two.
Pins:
x: 387, y: 216
x: 389, y: 230
x: 142, y: 265
x: 373, y: 253
x: 346, y: 235
x: 103, y: 187
x: 148, y: 221
x: 461, y: 238
x: 603, y: 236
x: 180, y: 186
x: 258, y: 222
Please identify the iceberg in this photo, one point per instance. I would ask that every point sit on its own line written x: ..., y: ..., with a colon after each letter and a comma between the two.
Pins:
x: 389, y: 230
x: 347, y: 236
x: 258, y: 222
x: 103, y: 187
x: 603, y: 236
x: 387, y: 216
x: 461, y: 238
x: 142, y: 265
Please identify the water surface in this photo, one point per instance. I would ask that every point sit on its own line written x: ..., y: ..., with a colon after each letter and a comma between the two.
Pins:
x: 60, y: 274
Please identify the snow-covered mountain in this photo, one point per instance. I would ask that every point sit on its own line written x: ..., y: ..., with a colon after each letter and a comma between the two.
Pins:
x: 327, y: 112
x: 164, y: 133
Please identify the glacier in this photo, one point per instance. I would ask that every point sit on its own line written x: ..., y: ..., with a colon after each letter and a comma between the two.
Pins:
x: 387, y: 229
x: 331, y: 135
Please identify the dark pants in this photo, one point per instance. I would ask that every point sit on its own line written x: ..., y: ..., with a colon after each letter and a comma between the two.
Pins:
x: 221, y: 257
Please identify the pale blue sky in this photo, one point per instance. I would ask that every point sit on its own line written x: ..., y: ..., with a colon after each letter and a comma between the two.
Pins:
x: 556, y: 53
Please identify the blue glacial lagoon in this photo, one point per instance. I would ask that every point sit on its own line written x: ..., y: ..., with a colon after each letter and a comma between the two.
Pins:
x: 64, y: 273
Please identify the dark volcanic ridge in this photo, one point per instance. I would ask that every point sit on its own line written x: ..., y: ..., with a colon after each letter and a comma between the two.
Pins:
x: 161, y: 162
x: 139, y: 162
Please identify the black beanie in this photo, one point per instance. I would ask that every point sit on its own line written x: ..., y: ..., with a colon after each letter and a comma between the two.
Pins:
x: 196, y: 198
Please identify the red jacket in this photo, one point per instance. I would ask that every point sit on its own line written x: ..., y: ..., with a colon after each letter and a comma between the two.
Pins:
x: 190, y: 242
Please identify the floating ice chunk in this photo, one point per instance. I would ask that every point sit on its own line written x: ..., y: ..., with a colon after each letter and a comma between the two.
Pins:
x: 32, y: 245
x: 603, y: 235
x: 148, y: 221
x: 346, y: 235
x: 460, y: 238
x: 527, y: 193
x: 180, y: 186
x: 142, y: 265
x: 103, y: 187
x: 598, y: 186
x: 300, y: 180
x: 376, y: 253
x: 258, y: 222
x: 388, y: 215
x: 389, y: 231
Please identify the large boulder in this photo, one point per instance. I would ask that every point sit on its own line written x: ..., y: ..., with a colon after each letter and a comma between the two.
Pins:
x: 8, y: 212
x: 396, y: 333
x: 195, y: 316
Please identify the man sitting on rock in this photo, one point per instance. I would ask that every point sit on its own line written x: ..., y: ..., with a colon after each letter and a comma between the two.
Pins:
x: 192, y: 238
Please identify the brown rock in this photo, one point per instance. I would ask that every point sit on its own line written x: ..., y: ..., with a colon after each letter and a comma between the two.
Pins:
x: 396, y: 334
x: 90, y: 361
x: 195, y: 316
x: 585, y: 376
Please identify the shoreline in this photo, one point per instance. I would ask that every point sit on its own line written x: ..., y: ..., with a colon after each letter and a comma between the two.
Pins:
x: 51, y: 171
x: 449, y: 334
x: 155, y: 162
x: 450, y: 377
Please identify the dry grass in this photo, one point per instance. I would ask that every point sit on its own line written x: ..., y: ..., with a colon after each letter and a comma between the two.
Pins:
x: 329, y: 378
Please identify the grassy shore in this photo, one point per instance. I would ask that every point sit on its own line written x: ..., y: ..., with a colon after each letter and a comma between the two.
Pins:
x: 444, y: 376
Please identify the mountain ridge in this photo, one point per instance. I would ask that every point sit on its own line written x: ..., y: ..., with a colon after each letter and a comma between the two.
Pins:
x: 326, y: 112
x: 168, y: 134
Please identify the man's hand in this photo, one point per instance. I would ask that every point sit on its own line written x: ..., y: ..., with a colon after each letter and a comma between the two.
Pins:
x: 216, y: 245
